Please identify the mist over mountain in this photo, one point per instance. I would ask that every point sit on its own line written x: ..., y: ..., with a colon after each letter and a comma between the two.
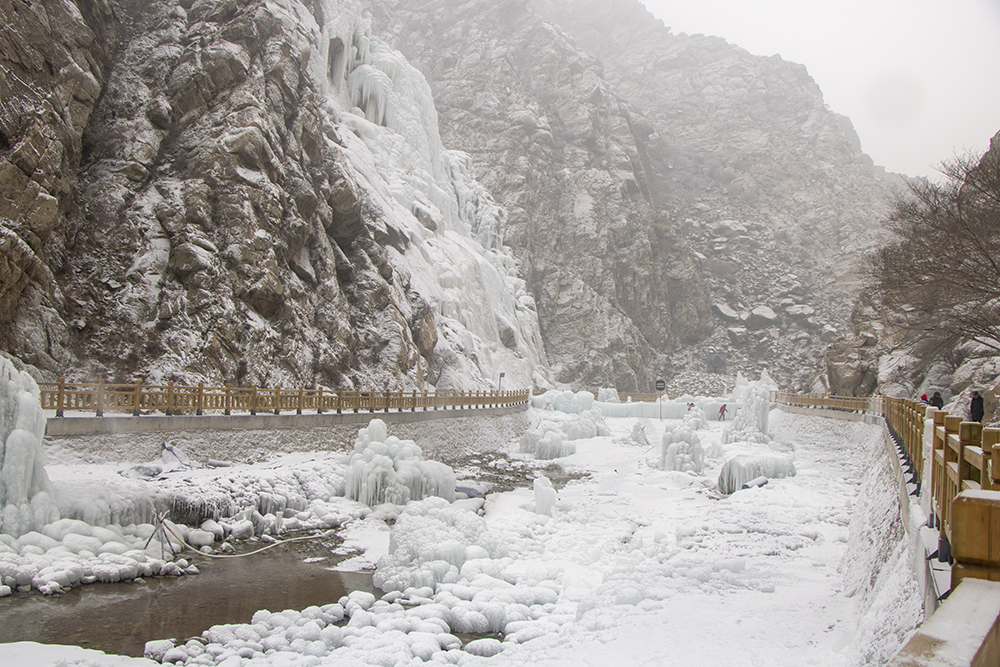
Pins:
x: 418, y: 194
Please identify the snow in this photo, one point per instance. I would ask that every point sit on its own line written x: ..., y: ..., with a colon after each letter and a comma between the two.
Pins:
x: 631, y: 562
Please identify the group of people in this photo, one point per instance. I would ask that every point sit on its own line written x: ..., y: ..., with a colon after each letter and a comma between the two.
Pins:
x: 976, y: 409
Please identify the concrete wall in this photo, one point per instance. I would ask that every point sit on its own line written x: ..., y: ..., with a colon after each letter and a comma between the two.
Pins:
x: 63, y: 427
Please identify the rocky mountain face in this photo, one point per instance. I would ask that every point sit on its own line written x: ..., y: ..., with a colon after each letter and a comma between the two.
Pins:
x: 210, y: 190
x: 676, y: 202
x: 417, y: 193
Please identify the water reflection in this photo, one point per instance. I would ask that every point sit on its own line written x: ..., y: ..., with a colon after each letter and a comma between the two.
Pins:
x: 121, y: 618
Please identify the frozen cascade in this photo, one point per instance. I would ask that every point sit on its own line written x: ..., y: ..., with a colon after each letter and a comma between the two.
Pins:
x: 743, y: 468
x: 385, y: 469
x: 454, y: 256
x: 750, y: 423
x: 25, y: 491
x: 682, y: 451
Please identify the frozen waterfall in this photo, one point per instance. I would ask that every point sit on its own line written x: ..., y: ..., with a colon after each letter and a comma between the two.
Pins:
x: 25, y: 496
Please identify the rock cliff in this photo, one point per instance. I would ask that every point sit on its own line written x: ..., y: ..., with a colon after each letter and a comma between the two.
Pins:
x: 242, y: 191
x: 675, y: 201
x: 417, y: 193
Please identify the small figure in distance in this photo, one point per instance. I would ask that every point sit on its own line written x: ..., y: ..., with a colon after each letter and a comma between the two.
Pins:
x: 937, y: 401
x: 976, y: 410
x: 923, y: 399
x: 722, y: 413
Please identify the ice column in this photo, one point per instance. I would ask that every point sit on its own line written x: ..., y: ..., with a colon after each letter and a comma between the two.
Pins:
x: 25, y: 501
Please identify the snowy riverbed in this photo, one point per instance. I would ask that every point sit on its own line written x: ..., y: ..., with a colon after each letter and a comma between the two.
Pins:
x: 630, y: 563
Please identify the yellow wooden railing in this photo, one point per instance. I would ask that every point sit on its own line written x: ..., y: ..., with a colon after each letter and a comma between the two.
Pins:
x: 172, y: 399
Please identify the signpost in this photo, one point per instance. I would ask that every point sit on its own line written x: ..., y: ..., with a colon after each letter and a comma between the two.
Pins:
x: 660, y: 386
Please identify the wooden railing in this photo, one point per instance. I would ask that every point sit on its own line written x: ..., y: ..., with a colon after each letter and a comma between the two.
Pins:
x: 172, y: 399
x: 830, y: 402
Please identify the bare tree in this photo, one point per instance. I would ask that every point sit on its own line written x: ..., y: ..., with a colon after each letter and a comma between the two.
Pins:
x: 943, y: 270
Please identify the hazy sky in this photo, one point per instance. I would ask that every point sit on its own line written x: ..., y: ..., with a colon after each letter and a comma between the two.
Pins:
x: 920, y: 79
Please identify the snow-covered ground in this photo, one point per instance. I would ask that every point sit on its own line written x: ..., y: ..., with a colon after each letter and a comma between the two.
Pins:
x: 627, y: 564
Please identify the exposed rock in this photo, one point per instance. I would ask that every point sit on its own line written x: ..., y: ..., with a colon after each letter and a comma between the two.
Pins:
x: 207, y: 208
x: 601, y: 131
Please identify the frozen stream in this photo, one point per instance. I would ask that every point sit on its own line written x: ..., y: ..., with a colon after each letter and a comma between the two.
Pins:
x: 632, y: 564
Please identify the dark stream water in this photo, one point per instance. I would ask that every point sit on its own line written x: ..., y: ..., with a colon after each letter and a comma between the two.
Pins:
x: 121, y: 618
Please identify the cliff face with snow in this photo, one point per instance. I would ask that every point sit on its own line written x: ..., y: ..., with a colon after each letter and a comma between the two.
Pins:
x: 243, y: 191
x: 406, y: 194
x: 672, y: 198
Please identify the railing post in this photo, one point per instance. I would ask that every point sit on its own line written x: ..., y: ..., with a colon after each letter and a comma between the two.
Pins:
x: 970, y: 435
x: 100, y: 397
x: 277, y: 400
x: 137, y: 398
x: 319, y: 401
x: 170, y: 399
x: 975, y: 534
x: 302, y: 400
x: 61, y: 397
x: 991, y: 453
x: 228, y: 402
x: 200, y: 402
x: 253, y: 399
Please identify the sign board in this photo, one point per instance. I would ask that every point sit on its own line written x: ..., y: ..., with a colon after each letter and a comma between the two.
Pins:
x: 660, y: 385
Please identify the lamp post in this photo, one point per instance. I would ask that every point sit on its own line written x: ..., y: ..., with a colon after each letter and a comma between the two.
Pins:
x: 500, y: 383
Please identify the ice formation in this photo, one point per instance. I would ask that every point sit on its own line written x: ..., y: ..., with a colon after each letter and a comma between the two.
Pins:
x: 545, y: 495
x: 25, y: 492
x: 608, y: 395
x: 564, y: 401
x: 750, y: 423
x: 743, y: 468
x: 682, y: 450
x: 553, y: 436
x: 638, y: 435
x: 454, y: 255
x: 385, y: 469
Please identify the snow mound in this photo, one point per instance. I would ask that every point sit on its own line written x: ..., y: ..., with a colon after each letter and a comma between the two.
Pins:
x: 743, y: 468
x: 385, y: 469
x: 25, y: 492
x: 430, y: 543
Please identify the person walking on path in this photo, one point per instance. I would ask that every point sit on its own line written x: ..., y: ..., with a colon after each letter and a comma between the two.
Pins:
x: 976, y: 410
x: 937, y: 401
x: 722, y: 413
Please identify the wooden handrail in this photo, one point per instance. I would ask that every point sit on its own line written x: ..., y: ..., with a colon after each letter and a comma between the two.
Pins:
x: 174, y: 399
